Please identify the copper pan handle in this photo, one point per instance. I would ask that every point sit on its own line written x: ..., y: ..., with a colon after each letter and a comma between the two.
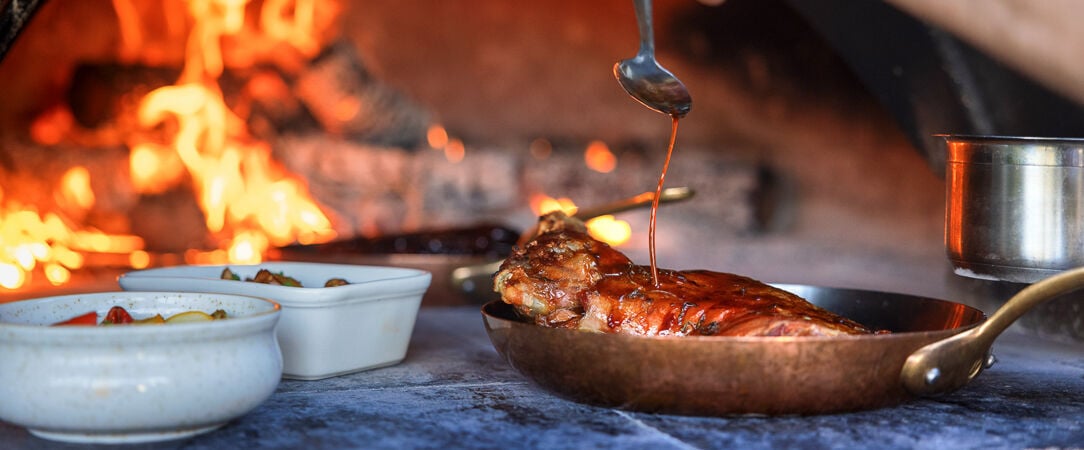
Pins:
x: 951, y: 363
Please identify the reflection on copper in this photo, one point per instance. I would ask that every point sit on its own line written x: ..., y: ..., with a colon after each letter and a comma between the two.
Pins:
x: 959, y: 316
x: 955, y: 203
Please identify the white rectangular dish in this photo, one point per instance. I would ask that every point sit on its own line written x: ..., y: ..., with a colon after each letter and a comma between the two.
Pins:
x: 324, y: 331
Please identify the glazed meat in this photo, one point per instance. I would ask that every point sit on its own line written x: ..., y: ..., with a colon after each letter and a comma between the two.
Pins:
x: 565, y: 278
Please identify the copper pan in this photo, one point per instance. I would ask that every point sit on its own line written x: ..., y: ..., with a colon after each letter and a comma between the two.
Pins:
x: 935, y: 346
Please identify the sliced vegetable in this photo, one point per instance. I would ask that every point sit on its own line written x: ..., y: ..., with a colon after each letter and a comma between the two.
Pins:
x: 90, y: 318
x: 117, y: 316
x: 190, y: 316
x: 156, y: 319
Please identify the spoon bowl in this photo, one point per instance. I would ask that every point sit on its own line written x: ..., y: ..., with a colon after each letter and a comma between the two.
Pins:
x: 645, y: 79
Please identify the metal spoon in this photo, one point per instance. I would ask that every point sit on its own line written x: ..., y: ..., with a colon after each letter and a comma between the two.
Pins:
x: 644, y: 79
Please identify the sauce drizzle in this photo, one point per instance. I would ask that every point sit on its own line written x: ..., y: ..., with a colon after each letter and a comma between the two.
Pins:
x: 655, y: 203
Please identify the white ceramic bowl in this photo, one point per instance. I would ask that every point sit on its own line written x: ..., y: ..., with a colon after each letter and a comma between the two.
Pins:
x: 135, y: 383
x: 324, y: 332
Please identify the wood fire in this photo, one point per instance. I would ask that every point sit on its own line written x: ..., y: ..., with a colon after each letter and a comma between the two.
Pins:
x: 185, y: 134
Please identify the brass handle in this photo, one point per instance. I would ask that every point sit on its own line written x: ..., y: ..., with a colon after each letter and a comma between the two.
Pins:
x: 951, y: 363
x: 668, y: 195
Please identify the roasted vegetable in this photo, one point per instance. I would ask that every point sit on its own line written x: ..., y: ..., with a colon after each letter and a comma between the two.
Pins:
x: 277, y: 278
x: 156, y: 319
x: 336, y: 282
x: 117, y: 315
x: 90, y: 318
x: 190, y: 316
x: 268, y: 277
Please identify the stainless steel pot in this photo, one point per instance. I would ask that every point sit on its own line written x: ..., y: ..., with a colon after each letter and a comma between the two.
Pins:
x: 1015, y: 206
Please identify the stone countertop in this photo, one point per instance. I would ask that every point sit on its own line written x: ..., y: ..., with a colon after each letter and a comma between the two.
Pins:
x: 453, y: 391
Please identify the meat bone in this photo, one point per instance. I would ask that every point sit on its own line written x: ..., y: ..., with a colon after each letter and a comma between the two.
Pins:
x: 462, y: 274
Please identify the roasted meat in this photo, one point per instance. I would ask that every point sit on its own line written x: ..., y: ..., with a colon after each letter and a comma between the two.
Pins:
x: 565, y: 278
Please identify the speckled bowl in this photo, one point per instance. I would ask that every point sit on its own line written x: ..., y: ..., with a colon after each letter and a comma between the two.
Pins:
x: 325, y: 331
x: 135, y: 383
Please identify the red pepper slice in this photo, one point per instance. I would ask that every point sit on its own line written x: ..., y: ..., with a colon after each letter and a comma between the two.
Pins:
x: 117, y: 316
x: 90, y: 318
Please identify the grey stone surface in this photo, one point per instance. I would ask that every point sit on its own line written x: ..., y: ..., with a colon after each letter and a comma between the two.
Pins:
x: 453, y: 391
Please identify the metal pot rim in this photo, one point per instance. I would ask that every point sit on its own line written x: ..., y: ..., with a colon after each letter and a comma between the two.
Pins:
x: 1014, y: 150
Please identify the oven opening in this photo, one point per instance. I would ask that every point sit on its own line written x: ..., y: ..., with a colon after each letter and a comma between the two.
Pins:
x: 142, y: 134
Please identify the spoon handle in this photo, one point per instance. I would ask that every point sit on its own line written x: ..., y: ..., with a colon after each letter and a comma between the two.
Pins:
x: 647, y: 33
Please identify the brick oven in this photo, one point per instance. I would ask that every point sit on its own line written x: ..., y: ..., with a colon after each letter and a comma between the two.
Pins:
x: 385, y: 119
x: 398, y: 120
x: 432, y: 133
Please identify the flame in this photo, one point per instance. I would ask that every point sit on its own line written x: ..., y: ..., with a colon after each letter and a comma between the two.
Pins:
x: 542, y: 204
x: 250, y: 202
x: 31, y: 241
x: 609, y: 230
x: 131, y: 34
x: 248, y: 199
x: 139, y: 259
x: 292, y: 21
x: 154, y: 168
x: 605, y: 228
x: 75, y: 189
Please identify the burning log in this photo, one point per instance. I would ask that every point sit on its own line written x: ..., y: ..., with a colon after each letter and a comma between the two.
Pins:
x: 334, y: 93
x: 349, y: 101
x: 169, y: 222
x: 100, y: 94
